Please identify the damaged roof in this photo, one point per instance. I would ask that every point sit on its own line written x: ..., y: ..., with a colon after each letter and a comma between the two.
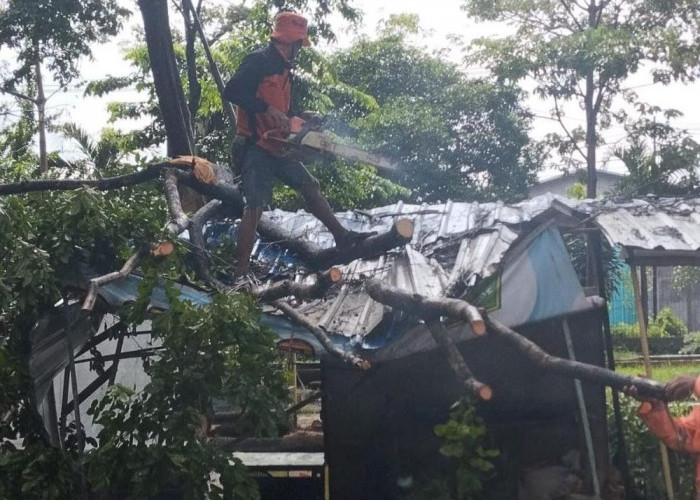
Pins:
x: 670, y: 224
x: 453, y: 243
x: 457, y: 243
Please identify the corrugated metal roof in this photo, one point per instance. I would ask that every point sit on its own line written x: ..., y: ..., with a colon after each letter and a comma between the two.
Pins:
x: 650, y: 224
x: 464, y: 241
x: 451, y: 241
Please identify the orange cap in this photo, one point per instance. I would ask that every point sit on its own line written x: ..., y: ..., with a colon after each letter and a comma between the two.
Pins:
x: 291, y: 27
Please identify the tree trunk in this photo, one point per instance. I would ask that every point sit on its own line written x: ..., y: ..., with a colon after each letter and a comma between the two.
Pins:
x: 41, y: 112
x: 228, y: 107
x: 195, y: 88
x: 171, y: 98
x: 591, y: 118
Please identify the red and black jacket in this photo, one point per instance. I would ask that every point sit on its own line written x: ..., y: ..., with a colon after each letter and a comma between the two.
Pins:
x: 263, y: 79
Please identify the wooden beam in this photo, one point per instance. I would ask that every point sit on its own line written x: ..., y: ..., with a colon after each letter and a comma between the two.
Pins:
x: 302, y: 441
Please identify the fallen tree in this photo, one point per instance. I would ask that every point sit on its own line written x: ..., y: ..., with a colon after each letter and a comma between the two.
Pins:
x: 430, y: 310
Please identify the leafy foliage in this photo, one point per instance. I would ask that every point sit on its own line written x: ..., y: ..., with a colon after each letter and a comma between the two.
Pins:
x: 582, y: 52
x: 665, y: 324
x: 612, y: 263
x: 454, y: 138
x: 156, y: 439
x: 660, y: 159
x: 643, y: 452
x: 346, y: 186
x: 463, y: 442
x: 685, y: 277
x: 691, y: 343
x: 153, y: 440
x: 57, y: 32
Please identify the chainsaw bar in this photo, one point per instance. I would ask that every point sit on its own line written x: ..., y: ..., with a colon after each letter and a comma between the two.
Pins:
x: 324, y: 143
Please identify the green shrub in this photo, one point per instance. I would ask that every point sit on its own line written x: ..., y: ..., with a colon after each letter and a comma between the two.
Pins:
x: 691, y: 343
x: 463, y: 441
x: 625, y: 330
x: 644, y: 457
x: 666, y: 324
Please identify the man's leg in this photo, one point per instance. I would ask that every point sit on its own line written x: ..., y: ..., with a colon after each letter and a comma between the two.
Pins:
x: 320, y: 208
x: 246, y: 238
x: 257, y: 192
x: 295, y: 175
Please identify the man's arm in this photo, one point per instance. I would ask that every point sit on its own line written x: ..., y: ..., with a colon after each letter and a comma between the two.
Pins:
x: 242, y: 88
x: 659, y: 421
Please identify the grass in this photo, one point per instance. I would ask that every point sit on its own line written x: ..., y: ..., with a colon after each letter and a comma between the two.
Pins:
x: 662, y: 372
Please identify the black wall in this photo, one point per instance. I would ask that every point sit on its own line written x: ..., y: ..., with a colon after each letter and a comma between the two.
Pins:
x: 379, y: 425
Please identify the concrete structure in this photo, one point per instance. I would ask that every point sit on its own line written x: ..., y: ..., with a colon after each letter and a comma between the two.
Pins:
x: 559, y: 184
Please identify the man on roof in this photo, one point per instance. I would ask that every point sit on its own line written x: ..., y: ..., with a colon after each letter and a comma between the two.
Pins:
x: 261, y: 89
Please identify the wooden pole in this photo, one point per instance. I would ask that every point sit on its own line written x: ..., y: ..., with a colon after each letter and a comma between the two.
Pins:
x: 585, y: 423
x: 642, y: 321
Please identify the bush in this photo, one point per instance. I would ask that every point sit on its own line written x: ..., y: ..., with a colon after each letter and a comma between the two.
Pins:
x: 666, y: 324
x: 691, y: 343
x: 643, y: 453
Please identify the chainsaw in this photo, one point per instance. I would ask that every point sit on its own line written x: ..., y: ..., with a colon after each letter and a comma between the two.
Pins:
x: 307, y: 136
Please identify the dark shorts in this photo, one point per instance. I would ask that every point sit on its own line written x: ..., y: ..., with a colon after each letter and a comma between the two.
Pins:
x: 260, y: 169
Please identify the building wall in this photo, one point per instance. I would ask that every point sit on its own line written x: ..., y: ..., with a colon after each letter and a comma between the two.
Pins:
x: 559, y: 185
x: 685, y: 304
x: 379, y: 424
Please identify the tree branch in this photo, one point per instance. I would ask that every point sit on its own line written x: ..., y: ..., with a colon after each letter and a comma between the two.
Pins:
x: 571, y: 13
x: 318, y: 258
x: 202, y: 266
x: 178, y: 220
x: 599, y: 98
x: 396, y: 298
x: 557, y: 110
x: 575, y: 369
x: 426, y: 307
x: 228, y: 107
x: 314, y: 290
x: 148, y: 173
x: 19, y: 95
x: 321, y: 335
x: 96, y: 283
x: 220, y: 190
x: 475, y: 388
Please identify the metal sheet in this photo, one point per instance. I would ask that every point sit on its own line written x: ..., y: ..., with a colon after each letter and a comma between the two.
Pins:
x: 650, y: 223
x: 280, y: 459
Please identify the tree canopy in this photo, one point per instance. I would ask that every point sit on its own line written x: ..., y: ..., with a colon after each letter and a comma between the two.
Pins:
x: 454, y: 137
x: 582, y: 52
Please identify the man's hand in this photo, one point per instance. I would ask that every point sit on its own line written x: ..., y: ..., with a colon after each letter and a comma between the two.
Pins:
x: 680, y: 388
x: 281, y: 120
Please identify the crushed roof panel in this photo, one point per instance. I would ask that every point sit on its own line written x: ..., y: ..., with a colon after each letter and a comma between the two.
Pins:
x: 459, y: 241
x: 650, y: 224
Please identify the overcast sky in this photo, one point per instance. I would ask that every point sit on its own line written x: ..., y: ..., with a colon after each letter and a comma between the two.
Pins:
x: 440, y: 17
